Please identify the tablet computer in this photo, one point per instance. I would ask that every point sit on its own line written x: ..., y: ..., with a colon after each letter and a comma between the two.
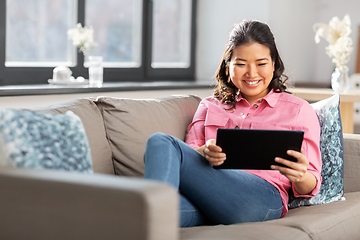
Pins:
x: 256, y: 149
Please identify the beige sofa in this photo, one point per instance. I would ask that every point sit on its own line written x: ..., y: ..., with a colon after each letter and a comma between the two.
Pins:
x: 115, y: 203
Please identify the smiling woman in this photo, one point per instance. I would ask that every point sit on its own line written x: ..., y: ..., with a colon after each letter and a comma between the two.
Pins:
x: 253, y: 71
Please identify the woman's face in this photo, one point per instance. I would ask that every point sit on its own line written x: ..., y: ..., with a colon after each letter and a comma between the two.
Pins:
x: 251, y: 70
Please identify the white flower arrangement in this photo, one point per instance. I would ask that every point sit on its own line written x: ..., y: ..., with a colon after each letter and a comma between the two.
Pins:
x: 337, y: 34
x: 82, y: 37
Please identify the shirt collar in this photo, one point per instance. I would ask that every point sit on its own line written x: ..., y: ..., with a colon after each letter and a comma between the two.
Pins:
x: 271, y: 98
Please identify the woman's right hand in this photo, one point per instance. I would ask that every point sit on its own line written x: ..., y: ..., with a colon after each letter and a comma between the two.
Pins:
x: 213, y: 153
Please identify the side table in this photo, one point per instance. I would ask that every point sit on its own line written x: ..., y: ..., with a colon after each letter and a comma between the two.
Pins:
x: 346, y: 102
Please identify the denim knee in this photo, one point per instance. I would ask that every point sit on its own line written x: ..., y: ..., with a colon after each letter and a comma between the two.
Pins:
x: 156, y: 137
x: 156, y: 140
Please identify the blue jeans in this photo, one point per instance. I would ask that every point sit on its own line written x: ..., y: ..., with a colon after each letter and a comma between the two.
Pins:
x: 207, y: 195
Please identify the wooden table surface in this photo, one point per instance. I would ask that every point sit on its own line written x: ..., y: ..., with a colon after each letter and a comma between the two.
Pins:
x: 347, y: 101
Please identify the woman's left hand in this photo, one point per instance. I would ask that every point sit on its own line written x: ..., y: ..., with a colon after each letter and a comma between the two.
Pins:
x: 296, y: 172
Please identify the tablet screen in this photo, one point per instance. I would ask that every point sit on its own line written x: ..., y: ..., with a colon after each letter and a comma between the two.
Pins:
x: 256, y: 149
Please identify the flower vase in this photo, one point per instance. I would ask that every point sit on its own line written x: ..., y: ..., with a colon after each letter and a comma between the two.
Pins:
x: 340, y: 81
x: 95, y: 71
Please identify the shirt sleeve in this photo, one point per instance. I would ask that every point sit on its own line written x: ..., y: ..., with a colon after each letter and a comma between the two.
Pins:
x: 195, y: 136
x: 308, y: 121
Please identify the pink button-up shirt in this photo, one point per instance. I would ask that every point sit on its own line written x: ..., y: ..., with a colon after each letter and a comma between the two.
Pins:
x: 275, y: 111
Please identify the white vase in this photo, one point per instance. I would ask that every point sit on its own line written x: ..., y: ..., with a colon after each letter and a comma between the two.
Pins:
x: 340, y: 81
x: 95, y: 71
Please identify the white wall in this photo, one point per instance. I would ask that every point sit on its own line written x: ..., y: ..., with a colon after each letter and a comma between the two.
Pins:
x: 215, y: 19
x: 292, y: 24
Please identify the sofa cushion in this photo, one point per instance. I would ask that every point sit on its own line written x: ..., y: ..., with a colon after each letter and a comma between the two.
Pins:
x: 93, y: 123
x: 254, y: 231
x: 336, y: 220
x: 44, y: 141
x: 352, y: 162
x: 130, y: 122
x: 332, y: 153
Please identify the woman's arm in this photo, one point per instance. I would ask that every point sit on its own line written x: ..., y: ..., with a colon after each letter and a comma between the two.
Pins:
x: 304, y: 181
x: 305, y: 174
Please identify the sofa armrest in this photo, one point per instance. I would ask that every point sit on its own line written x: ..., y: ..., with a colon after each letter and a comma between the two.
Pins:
x: 352, y: 162
x: 38, y: 204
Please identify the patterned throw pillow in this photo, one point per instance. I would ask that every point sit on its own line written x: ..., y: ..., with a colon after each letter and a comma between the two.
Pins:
x: 43, y: 141
x: 332, y: 153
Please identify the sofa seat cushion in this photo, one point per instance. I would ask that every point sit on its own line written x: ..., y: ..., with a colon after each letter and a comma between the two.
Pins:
x: 130, y: 122
x: 93, y: 123
x: 253, y: 231
x: 337, y: 220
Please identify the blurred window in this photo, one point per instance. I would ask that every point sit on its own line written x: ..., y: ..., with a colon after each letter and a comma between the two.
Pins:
x: 117, y: 26
x: 36, y: 32
x: 139, y: 40
x: 171, y: 33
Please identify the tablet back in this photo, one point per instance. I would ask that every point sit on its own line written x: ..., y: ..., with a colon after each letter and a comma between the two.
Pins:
x: 256, y: 149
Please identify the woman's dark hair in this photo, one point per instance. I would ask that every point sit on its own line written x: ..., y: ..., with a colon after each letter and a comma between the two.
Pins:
x: 244, y: 33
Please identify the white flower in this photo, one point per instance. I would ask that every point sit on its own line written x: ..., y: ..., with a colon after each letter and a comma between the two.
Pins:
x: 82, y: 37
x: 337, y: 34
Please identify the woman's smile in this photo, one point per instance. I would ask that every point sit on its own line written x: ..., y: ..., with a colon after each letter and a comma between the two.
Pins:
x: 253, y: 83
